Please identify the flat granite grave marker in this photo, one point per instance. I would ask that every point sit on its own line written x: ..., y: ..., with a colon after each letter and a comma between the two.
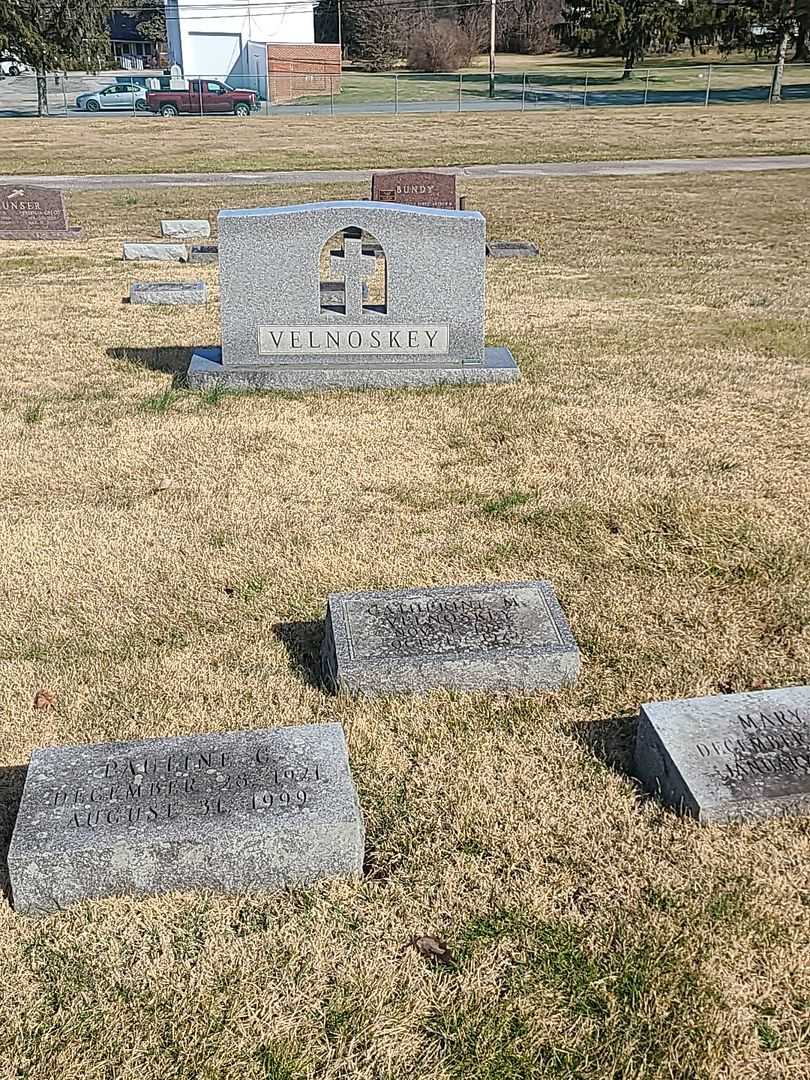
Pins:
x: 34, y: 213
x: 173, y: 293
x: 203, y: 253
x: 185, y: 228
x: 732, y: 757
x: 415, y: 189
x: 155, y: 252
x: 235, y: 811
x: 505, y: 636
x: 512, y: 249
x: 411, y: 311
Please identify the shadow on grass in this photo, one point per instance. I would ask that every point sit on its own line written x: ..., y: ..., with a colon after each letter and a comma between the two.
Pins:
x: 302, y: 641
x: 611, y: 740
x: 12, y: 778
x: 170, y: 359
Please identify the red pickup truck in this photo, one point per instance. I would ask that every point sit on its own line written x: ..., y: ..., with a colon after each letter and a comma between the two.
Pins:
x: 202, y: 96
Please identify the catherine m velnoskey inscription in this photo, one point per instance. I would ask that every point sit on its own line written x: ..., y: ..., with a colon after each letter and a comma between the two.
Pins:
x: 505, y: 636
x: 236, y: 811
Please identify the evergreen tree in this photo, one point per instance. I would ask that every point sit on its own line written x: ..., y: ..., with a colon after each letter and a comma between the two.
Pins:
x: 54, y: 35
x: 627, y: 28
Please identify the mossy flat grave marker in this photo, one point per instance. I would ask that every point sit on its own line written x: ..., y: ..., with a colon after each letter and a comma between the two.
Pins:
x: 731, y: 757
x: 235, y: 811
x: 510, y: 636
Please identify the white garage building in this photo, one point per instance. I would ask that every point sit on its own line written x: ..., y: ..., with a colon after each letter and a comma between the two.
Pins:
x: 227, y: 39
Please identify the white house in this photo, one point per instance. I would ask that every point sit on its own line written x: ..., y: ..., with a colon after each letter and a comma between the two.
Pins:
x: 227, y: 39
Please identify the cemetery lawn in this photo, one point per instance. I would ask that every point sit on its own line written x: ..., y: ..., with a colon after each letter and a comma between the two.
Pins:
x: 194, y: 144
x: 166, y: 558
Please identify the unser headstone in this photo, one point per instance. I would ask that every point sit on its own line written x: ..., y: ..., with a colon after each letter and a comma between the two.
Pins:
x: 416, y: 189
x: 172, y: 293
x: 34, y: 213
x: 185, y: 228
x: 236, y: 811
x: 509, y: 636
x: 731, y: 757
x: 411, y: 313
x: 155, y: 252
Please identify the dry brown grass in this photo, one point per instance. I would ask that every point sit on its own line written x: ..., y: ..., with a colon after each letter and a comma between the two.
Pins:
x: 653, y: 464
x: 149, y: 144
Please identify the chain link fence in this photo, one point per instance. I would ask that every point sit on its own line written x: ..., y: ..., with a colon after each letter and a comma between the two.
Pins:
x: 116, y: 93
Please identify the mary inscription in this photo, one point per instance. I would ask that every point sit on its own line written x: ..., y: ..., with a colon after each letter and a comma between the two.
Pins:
x: 239, y: 810
x: 506, y: 636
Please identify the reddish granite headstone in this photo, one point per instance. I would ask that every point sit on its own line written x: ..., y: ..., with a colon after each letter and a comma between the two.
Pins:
x: 415, y: 189
x: 34, y: 213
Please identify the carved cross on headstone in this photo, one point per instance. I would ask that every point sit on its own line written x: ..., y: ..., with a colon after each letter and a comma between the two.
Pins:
x: 355, y: 268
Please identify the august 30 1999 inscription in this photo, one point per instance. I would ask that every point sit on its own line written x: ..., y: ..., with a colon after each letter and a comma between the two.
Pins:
x: 508, y: 636
x: 237, y: 810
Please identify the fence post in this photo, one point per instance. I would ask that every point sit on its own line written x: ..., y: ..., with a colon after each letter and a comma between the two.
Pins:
x: 64, y: 93
x: 133, y: 99
x: 460, y: 78
x: 199, y: 87
x: 585, y: 95
x: 523, y: 94
x: 770, y: 88
x: 708, y: 85
x: 331, y: 95
x: 646, y: 86
x: 396, y: 97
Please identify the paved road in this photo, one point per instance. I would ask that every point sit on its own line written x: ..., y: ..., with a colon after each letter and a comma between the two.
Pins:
x: 645, y: 167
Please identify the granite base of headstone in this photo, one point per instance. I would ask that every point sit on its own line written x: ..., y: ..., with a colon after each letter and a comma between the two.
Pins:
x: 155, y: 252
x: 732, y: 757
x: 411, y: 311
x: 512, y: 249
x: 185, y: 228
x: 34, y: 213
x: 238, y: 811
x: 172, y: 293
x: 510, y: 636
x: 203, y: 253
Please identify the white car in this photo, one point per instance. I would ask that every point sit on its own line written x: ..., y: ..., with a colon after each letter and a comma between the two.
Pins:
x: 10, y: 65
x: 117, y: 96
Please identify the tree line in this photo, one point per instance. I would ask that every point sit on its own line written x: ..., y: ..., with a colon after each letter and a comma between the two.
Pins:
x: 437, y: 35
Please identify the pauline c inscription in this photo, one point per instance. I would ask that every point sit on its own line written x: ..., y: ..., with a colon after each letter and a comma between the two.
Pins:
x: 34, y: 213
x: 504, y: 636
x: 731, y: 757
x: 240, y: 810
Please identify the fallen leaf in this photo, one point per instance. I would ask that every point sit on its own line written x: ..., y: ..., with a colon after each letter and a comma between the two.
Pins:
x: 44, y: 699
x: 163, y: 484
x: 433, y: 949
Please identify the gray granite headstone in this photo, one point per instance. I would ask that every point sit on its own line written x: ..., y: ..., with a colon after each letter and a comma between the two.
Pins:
x: 420, y: 320
x: 505, y: 636
x: 185, y: 228
x: 732, y: 757
x: 235, y: 811
x: 168, y: 292
x: 156, y: 252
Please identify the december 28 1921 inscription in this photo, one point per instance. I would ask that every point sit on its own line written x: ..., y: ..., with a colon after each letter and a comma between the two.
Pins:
x: 731, y: 757
x: 34, y: 213
x: 240, y: 810
x: 504, y: 636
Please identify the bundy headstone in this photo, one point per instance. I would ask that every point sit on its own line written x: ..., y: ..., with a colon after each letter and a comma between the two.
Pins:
x: 416, y: 189
x: 229, y: 812
x: 732, y: 757
x: 410, y: 313
x: 505, y: 636
x: 34, y: 213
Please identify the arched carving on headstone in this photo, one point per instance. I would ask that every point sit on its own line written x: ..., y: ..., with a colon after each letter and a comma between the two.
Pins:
x: 353, y: 274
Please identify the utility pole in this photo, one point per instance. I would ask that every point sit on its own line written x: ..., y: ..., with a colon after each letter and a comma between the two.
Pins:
x: 492, y: 49
x: 340, y: 32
